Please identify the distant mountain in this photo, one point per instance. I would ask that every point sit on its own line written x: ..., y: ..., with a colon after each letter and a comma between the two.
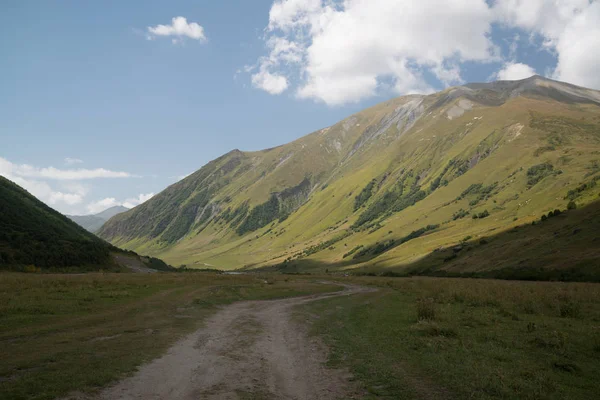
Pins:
x: 385, y: 187
x: 95, y: 221
x: 111, y: 212
x: 31, y: 233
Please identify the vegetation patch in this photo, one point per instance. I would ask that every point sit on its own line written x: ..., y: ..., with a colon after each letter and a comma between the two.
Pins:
x: 403, y: 195
x: 382, y: 247
x: 279, y: 206
x: 483, y: 214
x: 364, y: 195
x: 354, y: 250
x: 581, y: 189
x: 477, y: 192
x: 538, y: 172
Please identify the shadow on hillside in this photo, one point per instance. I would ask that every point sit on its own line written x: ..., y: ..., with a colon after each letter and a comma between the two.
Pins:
x: 562, y: 247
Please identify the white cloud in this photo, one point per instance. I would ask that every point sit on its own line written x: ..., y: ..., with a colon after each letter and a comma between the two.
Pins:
x: 69, y: 192
x: 179, y: 28
x: 180, y: 177
x: 43, y: 191
x: 29, y: 171
x: 142, y: 198
x: 579, y: 49
x: 270, y: 83
x: 515, y: 71
x: 570, y: 28
x: 71, y: 161
x: 342, y: 52
x: 101, y: 205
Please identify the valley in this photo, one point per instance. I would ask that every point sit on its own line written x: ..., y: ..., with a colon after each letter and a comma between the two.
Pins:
x: 397, y: 254
x: 300, y: 200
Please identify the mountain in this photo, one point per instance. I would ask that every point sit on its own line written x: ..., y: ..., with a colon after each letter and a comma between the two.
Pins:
x: 111, y: 212
x: 93, y: 222
x: 383, y: 188
x: 32, y: 233
x: 34, y: 237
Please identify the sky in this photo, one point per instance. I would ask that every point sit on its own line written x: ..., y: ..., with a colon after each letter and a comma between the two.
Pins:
x: 108, y: 102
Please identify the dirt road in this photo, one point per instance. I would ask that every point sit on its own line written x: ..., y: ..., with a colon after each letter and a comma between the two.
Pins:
x: 248, y: 350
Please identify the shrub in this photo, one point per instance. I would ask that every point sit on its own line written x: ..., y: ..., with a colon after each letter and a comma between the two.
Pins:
x: 572, y: 205
x: 459, y: 214
x: 364, y: 195
x: 569, y: 309
x: 483, y: 214
x: 538, y: 172
x: 425, y: 310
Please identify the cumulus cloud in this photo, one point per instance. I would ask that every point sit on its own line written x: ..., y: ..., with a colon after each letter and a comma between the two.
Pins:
x: 101, y: 205
x: 515, y: 71
x: 270, y: 83
x: 180, y: 29
x: 142, y: 198
x: 570, y: 28
x: 342, y: 51
x: 108, y: 202
x: 71, y: 161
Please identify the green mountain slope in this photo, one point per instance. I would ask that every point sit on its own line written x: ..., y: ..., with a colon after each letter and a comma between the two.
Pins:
x: 32, y: 233
x: 94, y: 222
x: 384, y: 187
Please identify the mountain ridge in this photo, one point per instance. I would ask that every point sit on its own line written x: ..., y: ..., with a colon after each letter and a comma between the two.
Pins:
x: 93, y: 222
x: 406, y: 158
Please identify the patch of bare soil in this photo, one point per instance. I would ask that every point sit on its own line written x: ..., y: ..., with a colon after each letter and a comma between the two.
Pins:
x: 132, y: 263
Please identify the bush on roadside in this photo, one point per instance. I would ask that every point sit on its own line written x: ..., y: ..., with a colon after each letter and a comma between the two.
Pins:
x: 425, y: 310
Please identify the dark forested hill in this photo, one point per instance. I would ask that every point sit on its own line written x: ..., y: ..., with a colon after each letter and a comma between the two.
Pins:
x: 33, y: 234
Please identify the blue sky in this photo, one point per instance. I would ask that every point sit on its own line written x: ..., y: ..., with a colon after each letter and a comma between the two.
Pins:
x: 134, y: 105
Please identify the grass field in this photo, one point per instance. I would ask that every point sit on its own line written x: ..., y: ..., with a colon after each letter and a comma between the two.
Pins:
x: 60, y: 333
x: 432, y: 338
x: 423, y: 338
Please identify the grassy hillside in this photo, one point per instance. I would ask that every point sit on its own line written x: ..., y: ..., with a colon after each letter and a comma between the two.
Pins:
x: 561, y: 245
x: 385, y: 187
x: 33, y: 234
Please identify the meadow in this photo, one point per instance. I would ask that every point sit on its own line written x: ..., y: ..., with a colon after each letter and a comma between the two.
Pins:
x: 65, y: 333
x: 413, y: 338
x: 441, y: 338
